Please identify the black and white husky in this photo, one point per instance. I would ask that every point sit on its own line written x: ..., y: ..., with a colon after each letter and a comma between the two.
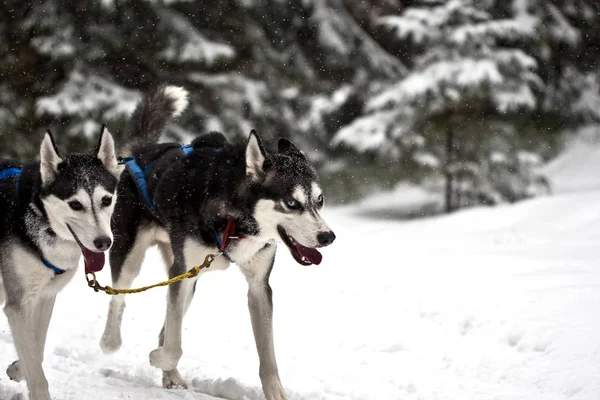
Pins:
x: 240, y: 198
x: 52, y: 212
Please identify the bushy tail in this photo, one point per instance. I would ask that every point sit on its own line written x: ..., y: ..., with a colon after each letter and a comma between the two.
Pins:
x: 152, y: 115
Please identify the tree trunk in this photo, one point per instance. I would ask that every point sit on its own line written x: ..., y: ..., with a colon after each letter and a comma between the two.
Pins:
x: 449, y: 148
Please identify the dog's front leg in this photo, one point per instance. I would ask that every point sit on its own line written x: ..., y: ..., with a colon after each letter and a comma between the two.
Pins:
x: 40, y: 320
x: 20, y: 320
x: 260, y: 304
x: 167, y: 355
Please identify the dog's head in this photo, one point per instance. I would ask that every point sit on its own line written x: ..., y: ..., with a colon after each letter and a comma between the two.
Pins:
x: 79, y: 193
x: 289, y: 198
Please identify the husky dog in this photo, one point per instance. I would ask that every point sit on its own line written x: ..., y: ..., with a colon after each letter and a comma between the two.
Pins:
x: 212, y: 195
x: 52, y: 212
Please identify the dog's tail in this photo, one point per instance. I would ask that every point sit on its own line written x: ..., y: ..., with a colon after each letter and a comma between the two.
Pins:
x: 151, y: 116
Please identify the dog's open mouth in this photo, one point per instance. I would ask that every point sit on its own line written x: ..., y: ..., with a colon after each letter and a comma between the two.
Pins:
x: 94, y: 262
x: 302, y: 254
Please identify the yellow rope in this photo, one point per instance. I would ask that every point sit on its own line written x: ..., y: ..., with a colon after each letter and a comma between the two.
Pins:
x: 93, y: 283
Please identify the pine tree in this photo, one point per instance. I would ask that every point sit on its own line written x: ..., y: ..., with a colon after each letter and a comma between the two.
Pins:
x: 330, y: 74
x: 475, y: 78
x: 248, y: 64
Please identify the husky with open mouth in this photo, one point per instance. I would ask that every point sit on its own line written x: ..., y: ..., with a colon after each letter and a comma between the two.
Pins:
x: 192, y: 201
x: 53, y: 212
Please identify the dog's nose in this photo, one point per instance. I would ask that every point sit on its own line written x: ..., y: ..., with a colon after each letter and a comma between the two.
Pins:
x: 325, y: 238
x: 102, y: 243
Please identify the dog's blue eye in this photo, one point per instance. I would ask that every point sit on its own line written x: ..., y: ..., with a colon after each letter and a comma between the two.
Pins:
x: 293, y: 204
x: 75, y: 205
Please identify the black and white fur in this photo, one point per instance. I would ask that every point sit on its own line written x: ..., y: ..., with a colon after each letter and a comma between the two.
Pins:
x: 267, y: 193
x: 41, y: 220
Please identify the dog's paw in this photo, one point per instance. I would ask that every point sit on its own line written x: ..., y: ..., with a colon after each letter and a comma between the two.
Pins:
x: 110, y: 342
x: 272, y: 388
x: 173, y: 380
x: 18, y: 396
x: 14, y: 371
x: 164, y: 359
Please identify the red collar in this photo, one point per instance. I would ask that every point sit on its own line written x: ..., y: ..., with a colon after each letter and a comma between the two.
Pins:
x: 228, y: 234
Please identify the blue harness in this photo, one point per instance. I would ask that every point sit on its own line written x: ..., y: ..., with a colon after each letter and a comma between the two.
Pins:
x: 139, y: 174
x: 16, y: 172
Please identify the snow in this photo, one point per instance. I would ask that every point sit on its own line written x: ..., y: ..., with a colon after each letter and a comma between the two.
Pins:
x: 235, y: 89
x: 522, y: 26
x: 321, y: 106
x: 57, y: 46
x: 453, y: 78
x: 576, y: 168
x: 588, y: 103
x: 370, y: 133
x: 406, y: 200
x: 512, y: 100
x: 338, y: 32
x: 490, y: 303
x: 465, y: 60
x: 195, y: 47
x: 427, y: 159
x: 562, y: 30
x: 432, y: 79
x: 425, y: 24
x: 83, y: 95
x: 88, y: 127
x: 328, y: 28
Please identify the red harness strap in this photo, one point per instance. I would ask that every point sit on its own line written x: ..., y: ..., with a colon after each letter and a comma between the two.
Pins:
x: 228, y: 234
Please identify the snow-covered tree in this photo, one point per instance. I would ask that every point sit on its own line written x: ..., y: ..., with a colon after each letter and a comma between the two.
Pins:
x: 462, y: 69
x: 248, y: 64
x: 474, y: 83
x: 383, y: 77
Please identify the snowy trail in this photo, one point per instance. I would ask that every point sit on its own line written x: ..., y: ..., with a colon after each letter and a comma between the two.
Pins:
x: 499, y: 303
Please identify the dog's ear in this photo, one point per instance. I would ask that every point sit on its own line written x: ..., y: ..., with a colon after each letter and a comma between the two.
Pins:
x: 49, y: 159
x: 255, y: 155
x: 284, y: 146
x: 106, y: 152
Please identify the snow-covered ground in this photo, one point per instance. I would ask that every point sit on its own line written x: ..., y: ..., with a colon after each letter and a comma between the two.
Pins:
x: 575, y: 168
x: 490, y: 303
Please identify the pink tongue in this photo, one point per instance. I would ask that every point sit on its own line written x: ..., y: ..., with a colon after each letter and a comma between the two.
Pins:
x: 311, y: 255
x: 94, y: 262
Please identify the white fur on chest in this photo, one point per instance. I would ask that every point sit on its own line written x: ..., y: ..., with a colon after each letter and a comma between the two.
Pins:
x: 240, y: 252
x: 244, y: 250
x: 64, y: 255
x: 194, y: 253
x: 35, y: 277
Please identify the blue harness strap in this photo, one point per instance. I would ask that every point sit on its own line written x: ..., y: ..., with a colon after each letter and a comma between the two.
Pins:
x: 10, y: 173
x: 57, y: 271
x: 187, y: 149
x: 16, y: 172
x: 220, y: 246
x: 140, y: 175
x: 140, y: 180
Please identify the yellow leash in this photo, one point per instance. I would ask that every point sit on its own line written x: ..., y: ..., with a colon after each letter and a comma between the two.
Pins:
x: 93, y: 283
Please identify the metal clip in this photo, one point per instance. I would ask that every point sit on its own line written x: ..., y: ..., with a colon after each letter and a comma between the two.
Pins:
x: 93, y: 283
